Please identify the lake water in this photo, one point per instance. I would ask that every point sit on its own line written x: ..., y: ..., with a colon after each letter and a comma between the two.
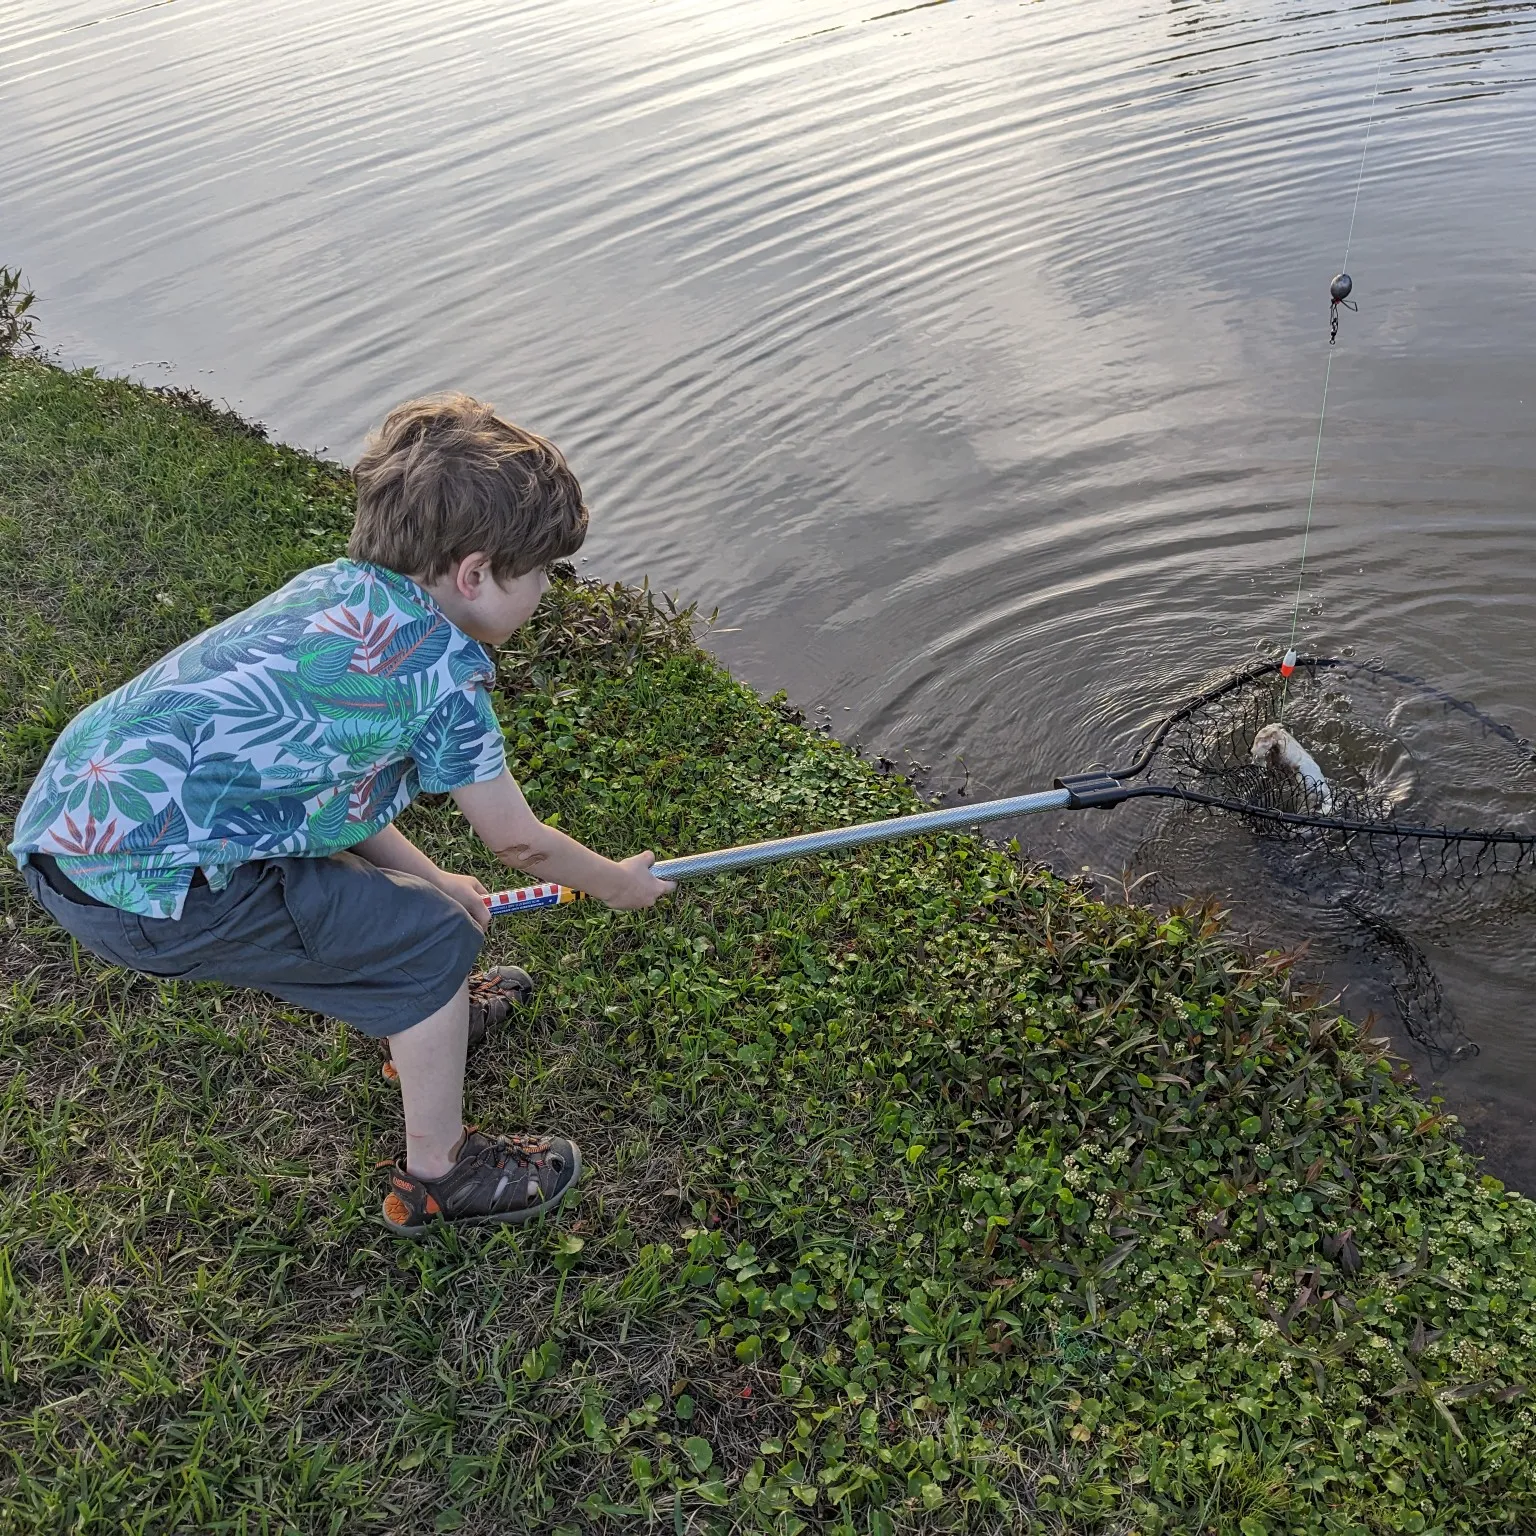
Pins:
x: 968, y: 355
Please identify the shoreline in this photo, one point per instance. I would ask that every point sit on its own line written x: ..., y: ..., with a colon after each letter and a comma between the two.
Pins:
x: 926, y: 1191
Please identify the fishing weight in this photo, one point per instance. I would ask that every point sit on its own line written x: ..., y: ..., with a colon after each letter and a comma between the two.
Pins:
x: 1339, y: 291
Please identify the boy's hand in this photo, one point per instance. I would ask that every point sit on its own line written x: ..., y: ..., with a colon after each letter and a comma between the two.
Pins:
x: 467, y: 891
x: 639, y: 888
x: 497, y: 810
x: 392, y: 849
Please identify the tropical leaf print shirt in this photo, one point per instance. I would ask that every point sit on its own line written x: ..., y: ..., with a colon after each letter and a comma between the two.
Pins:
x: 299, y: 727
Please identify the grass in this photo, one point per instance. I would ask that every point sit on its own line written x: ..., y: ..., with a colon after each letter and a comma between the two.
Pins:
x: 926, y: 1192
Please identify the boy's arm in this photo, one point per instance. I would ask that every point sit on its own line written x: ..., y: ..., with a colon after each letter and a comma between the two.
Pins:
x: 392, y: 849
x: 501, y: 816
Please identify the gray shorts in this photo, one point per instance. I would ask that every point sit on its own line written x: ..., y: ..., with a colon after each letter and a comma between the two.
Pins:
x: 372, y: 947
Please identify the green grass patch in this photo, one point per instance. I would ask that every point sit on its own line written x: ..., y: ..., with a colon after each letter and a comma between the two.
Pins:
x: 926, y: 1192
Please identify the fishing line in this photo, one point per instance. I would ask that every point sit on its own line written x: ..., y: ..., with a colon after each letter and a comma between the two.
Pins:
x: 1339, y: 291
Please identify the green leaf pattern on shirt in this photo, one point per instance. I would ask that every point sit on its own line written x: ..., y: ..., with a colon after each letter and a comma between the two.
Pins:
x: 301, y: 726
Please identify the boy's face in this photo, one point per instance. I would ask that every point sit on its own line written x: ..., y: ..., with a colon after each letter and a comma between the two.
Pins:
x: 486, y: 609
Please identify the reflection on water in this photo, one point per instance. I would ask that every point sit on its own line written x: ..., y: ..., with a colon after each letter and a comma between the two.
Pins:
x: 968, y: 355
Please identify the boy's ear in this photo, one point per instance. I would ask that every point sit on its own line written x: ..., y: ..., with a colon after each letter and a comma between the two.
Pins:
x: 471, y: 574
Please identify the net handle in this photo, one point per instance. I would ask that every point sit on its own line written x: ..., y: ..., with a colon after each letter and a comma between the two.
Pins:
x: 772, y: 851
x: 778, y: 848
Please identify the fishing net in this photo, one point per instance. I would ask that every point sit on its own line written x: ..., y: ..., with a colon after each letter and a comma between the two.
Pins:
x: 1421, y: 822
x: 1382, y: 804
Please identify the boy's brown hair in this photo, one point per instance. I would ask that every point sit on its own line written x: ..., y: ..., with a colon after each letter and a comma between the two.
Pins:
x: 446, y: 477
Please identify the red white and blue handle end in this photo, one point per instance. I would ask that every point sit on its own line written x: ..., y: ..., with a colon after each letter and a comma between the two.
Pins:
x: 527, y: 898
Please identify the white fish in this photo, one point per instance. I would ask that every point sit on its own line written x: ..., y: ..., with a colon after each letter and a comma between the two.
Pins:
x: 1275, y: 748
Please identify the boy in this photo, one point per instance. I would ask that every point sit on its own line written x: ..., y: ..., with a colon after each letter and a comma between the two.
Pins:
x: 229, y: 815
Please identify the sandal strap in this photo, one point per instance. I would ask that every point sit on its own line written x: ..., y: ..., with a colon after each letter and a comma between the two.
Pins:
x: 517, y: 1161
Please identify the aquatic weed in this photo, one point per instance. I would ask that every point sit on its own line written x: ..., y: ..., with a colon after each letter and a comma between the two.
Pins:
x: 16, y: 325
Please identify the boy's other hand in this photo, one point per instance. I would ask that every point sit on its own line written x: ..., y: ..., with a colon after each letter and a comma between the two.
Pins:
x: 639, y: 887
x: 392, y: 849
x: 468, y: 892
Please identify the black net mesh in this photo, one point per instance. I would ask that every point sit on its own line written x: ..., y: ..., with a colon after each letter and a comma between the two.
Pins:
x: 1383, y: 803
x: 1425, y: 820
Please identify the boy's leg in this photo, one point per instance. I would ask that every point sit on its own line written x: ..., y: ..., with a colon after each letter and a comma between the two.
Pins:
x: 429, y: 1058
x: 493, y: 994
x: 451, y: 1170
x: 372, y: 947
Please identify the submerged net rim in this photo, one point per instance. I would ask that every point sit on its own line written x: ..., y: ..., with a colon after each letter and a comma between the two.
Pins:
x: 1300, y: 819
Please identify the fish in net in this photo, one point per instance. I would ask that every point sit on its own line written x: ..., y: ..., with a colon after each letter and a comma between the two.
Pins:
x: 1385, y: 800
x: 1404, y: 820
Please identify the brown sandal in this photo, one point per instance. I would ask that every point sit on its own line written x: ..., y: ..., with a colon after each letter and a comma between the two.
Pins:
x: 500, y: 1178
x: 493, y: 994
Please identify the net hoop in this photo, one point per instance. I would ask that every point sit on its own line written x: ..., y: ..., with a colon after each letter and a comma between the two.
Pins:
x: 1523, y: 843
